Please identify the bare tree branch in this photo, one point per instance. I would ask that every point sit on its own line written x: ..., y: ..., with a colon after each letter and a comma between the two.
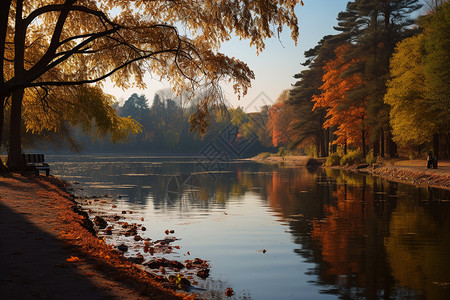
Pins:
x: 81, y: 82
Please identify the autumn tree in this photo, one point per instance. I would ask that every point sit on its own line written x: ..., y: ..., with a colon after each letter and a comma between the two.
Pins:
x: 410, y: 116
x: 345, y: 113
x: 308, y: 123
x: 279, y: 124
x: 418, y: 91
x: 437, y: 71
x: 48, y: 45
x: 378, y: 26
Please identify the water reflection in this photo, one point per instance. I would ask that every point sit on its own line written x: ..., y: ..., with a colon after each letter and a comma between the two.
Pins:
x: 352, y: 236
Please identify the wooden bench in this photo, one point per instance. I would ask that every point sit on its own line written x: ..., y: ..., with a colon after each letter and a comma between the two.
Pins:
x: 36, y: 163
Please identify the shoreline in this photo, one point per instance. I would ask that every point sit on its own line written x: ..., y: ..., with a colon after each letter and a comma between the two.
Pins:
x: 49, y: 246
x: 413, y: 172
x: 290, y: 160
x: 420, y: 177
x: 47, y: 249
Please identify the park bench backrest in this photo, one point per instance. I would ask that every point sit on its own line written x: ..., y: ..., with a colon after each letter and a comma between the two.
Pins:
x: 33, y: 158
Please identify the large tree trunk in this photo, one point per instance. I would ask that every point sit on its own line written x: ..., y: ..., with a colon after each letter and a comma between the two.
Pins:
x: 391, y: 145
x: 4, y: 12
x: 445, y: 153
x: 2, y: 121
x: 327, y: 141
x: 322, y: 143
x: 436, y: 145
x: 376, y: 147
x: 363, y: 142
x: 15, y: 160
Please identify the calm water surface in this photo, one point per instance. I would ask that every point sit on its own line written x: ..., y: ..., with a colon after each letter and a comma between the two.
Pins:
x: 272, y: 232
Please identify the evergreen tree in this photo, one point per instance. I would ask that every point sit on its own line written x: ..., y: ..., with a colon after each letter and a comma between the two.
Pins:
x: 377, y: 26
x: 308, y: 122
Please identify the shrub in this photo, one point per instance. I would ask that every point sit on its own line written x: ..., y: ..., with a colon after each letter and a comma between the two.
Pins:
x: 310, y: 150
x: 352, y: 157
x: 281, y: 151
x: 370, y: 159
x: 333, y: 160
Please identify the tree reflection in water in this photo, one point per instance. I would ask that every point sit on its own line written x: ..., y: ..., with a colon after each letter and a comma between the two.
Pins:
x: 369, y: 238
x: 365, y: 238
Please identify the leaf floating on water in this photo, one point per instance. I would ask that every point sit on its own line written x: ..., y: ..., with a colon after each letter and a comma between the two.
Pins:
x: 229, y: 292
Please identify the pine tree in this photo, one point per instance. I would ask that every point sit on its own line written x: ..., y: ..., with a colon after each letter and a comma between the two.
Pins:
x: 378, y: 26
x: 308, y: 122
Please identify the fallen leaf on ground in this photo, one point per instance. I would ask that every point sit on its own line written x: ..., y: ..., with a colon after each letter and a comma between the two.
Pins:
x: 73, y: 259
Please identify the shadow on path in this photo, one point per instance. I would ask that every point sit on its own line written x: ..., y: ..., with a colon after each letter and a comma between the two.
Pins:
x: 33, y: 264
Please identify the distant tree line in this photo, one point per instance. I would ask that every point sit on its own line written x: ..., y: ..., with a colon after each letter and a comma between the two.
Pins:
x: 165, y: 128
x: 381, y: 85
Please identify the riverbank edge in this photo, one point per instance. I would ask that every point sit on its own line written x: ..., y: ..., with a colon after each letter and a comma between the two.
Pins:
x: 417, y: 176
x: 76, y: 232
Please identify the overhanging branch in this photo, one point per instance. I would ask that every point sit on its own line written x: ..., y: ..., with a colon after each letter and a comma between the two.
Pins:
x: 81, y: 82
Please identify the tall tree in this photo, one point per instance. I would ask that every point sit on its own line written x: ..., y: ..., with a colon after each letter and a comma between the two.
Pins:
x: 308, y: 123
x: 70, y: 43
x: 343, y: 113
x: 437, y: 71
x: 380, y: 25
x: 418, y: 91
x: 136, y: 106
x: 411, y: 119
x: 279, y: 124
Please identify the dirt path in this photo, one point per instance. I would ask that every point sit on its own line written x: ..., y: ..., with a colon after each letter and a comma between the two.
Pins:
x: 415, y: 172
x: 45, y: 253
x: 408, y: 171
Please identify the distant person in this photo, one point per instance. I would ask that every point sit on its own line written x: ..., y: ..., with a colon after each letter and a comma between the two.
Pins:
x: 431, y: 161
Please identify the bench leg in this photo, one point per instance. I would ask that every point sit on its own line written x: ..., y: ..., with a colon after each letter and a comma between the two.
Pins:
x: 36, y: 172
x: 47, y: 173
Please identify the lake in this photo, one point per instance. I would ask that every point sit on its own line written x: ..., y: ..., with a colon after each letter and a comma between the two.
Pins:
x: 274, y: 232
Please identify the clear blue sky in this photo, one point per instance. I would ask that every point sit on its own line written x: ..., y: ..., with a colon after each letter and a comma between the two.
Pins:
x: 275, y: 66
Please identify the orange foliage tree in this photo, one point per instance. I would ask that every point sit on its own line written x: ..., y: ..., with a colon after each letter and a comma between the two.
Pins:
x: 280, y: 122
x: 345, y: 115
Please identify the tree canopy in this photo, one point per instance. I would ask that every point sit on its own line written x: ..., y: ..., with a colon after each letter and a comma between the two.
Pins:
x: 52, y: 47
x: 419, y: 89
x: 407, y: 94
